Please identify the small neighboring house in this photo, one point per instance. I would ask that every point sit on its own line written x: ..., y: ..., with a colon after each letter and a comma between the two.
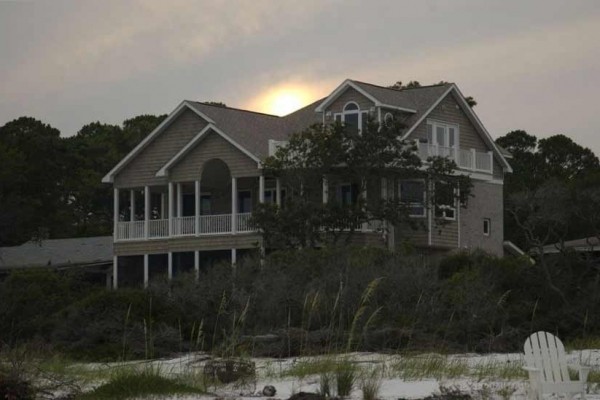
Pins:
x: 184, y: 195
x: 93, y: 254
x: 589, y: 245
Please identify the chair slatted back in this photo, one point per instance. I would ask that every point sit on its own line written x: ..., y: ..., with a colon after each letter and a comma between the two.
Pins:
x: 546, y: 352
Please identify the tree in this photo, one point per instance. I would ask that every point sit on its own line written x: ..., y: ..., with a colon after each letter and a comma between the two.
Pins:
x: 552, y: 192
x: 32, y: 191
x: 415, y: 84
x: 343, y: 153
x: 95, y: 150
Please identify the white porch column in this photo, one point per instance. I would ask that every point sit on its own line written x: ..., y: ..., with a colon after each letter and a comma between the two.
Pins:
x: 473, y: 159
x: 163, y: 209
x: 325, y: 190
x: 170, y: 266
x: 146, y: 211
x: 115, y: 212
x: 131, y: 205
x: 261, y: 189
x: 233, y: 205
x: 146, y: 271
x: 171, y: 206
x: 233, y: 257
x: 179, y: 200
x: 197, y: 207
x: 115, y: 272
x: 197, y: 264
x: 278, y: 191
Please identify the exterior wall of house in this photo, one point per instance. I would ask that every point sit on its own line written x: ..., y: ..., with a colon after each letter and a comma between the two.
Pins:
x: 449, y: 111
x: 213, y: 146
x: 349, y: 94
x: 142, y: 169
x: 486, y: 203
x: 444, y: 234
x: 192, y: 243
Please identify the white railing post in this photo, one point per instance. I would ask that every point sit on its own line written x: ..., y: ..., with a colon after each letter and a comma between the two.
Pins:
x: 146, y: 271
x: 473, y: 159
x: 146, y: 211
x: 278, y: 191
x: 197, y: 207
x: 170, y: 265
x: 197, y: 264
x: 115, y: 272
x: 115, y: 212
x: 131, y: 205
x: 179, y: 200
x: 233, y: 205
x: 261, y: 189
x: 171, y: 208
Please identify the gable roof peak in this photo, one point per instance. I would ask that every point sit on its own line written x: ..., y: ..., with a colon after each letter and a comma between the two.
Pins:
x: 232, y: 108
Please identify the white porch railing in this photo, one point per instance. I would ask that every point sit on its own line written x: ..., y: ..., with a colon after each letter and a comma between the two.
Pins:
x: 158, y: 228
x: 209, y: 225
x: 466, y: 159
x: 243, y: 222
x: 184, y: 226
x: 130, y: 230
x: 215, y: 224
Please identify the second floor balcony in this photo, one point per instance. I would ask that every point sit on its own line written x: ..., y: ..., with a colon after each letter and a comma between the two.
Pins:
x: 470, y: 159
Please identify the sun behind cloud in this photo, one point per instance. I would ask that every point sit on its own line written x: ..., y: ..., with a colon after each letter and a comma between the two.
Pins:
x: 283, y: 100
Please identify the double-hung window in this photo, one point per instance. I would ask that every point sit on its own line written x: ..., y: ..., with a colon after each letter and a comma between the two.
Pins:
x: 353, y: 117
x: 445, y: 200
x: 444, y: 136
x: 412, y: 194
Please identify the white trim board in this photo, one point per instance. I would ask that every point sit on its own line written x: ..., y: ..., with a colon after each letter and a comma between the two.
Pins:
x: 164, y: 170
x: 110, y: 176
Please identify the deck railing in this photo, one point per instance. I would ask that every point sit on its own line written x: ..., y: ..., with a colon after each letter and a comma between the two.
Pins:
x: 243, y: 222
x: 158, y: 228
x: 465, y: 159
x: 209, y: 225
x: 130, y: 230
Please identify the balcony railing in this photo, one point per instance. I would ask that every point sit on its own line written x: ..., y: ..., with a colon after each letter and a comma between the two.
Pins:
x: 209, y: 225
x: 465, y: 159
x: 184, y: 226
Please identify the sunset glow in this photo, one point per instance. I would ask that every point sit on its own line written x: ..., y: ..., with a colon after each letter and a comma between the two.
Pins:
x: 283, y: 100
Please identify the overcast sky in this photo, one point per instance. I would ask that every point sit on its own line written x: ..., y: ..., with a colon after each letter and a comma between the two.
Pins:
x: 532, y: 65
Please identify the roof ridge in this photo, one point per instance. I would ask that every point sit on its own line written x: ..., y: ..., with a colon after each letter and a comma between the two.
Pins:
x: 234, y: 108
x: 401, y: 90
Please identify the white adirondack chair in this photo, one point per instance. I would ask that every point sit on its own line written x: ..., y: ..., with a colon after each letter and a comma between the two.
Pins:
x: 547, y: 367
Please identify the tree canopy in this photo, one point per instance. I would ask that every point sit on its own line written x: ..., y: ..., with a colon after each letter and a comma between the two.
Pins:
x: 342, y: 153
x: 50, y: 187
x: 415, y: 84
x: 553, y: 192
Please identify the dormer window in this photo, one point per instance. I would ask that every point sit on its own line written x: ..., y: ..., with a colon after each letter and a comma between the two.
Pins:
x: 352, y: 116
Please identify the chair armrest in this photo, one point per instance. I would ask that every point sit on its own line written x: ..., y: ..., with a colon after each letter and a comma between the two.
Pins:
x: 583, y: 372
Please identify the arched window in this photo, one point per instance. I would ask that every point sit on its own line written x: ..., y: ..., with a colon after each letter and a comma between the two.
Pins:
x: 352, y: 116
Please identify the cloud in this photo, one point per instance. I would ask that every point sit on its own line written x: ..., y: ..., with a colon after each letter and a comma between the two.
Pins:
x: 113, y: 41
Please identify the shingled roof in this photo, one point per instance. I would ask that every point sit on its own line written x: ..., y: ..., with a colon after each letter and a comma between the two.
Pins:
x: 58, y: 253
x: 251, y: 131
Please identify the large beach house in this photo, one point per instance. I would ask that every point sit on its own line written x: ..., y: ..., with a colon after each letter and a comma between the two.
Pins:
x: 184, y: 195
